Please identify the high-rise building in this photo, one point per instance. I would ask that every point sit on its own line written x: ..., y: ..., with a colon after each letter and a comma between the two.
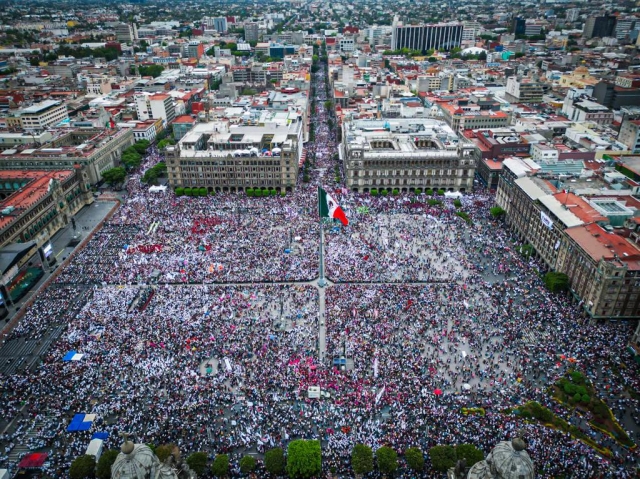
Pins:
x: 126, y: 32
x: 630, y: 135
x: 378, y: 35
x: 251, y: 31
x: 523, y: 90
x: 193, y: 49
x: 42, y: 115
x: 441, y: 36
x: 572, y: 15
x: 599, y: 27
x: 155, y: 106
x: 220, y: 24
x: 470, y: 30
x: 623, y: 28
x: 519, y: 26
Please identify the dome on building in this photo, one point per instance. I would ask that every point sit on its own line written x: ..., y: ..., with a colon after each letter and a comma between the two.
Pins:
x: 581, y: 69
x: 472, y: 51
x: 508, y: 460
x: 135, y: 462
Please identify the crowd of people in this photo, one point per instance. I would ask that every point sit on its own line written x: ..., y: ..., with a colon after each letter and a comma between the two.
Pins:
x: 429, y: 315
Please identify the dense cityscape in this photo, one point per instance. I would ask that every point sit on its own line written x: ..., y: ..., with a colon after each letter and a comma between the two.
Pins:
x: 319, y: 239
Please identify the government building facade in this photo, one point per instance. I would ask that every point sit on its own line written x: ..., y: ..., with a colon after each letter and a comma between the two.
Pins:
x: 220, y: 157
x: 405, y: 154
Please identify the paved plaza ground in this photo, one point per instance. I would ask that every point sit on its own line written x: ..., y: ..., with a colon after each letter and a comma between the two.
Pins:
x: 201, y: 323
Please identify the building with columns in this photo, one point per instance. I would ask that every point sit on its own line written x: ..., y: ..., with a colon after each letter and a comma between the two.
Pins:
x: 405, y: 154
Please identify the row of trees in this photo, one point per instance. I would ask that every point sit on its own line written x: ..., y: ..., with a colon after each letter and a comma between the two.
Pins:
x: 180, y: 191
x: 303, y: 460
x: 147, y: 70
x: 131, y: 158
x: 152, y: 174
x: 396, y: 191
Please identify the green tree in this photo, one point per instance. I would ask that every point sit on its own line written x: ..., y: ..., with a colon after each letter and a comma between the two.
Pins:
x: 83, y: 467
x: 457, y: 203
x: 103, y: 471
x: 131, y: 161
x: 274, y: 461
x: 414, y: 458
x: 304, y: 458
x: 497, y: 212
x: 179, y: 191
x: 197, y: 461
x: 141, y: 146
x: 556, y: 282
x: 328, y: 104
x: 387, y: 460
x: 469, y: 453
x: 114, y: 176
x: 247, y: 464
x: 361, y: 459
x: 150, y: 176
x: 220, y: 466
x: 148, y: 70
x: 164, y: 451
x: 442, y: 457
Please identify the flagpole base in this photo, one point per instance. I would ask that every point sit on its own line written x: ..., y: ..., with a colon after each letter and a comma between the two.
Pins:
x: 322, y: 282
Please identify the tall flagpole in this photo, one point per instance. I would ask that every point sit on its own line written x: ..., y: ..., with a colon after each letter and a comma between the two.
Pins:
x: 322, y: 282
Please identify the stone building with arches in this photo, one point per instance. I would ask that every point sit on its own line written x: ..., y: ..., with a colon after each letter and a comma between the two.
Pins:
x: 406, y: 154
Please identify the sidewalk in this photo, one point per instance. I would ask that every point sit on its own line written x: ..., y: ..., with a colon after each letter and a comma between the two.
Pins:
x: 86, y: 220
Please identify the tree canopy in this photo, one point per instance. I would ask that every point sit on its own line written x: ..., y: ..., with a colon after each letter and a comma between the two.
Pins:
x: 247, y: 464
x: 197, y: 461
x: 220, y: 466
x: 469, y: 453
x: 361, y: 459
x: 103, y: 471
x: 556, y: 282
x: 304, y: 459
x: 415, y: 459
x: 83, y: 467
x: 442, y: 457
x: 387, y: 460
x: 274, y: 461
x: 114, y: 176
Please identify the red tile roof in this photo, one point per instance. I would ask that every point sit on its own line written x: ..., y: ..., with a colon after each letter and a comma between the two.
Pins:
x: 35, y: 190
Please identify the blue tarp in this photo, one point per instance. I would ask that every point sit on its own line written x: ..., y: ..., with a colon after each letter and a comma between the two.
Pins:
x: 100, y: 435
x: 69, y: 356
x: 79, y: 424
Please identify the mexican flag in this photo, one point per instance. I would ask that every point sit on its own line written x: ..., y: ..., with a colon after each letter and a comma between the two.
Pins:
x: 329, y: 208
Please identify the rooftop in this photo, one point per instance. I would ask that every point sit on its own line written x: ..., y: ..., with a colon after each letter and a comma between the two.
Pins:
x: 600, y: 244
x: 40, y: 107
x: 69, y: 143
x: 34, y: 186
x: 403, y: 138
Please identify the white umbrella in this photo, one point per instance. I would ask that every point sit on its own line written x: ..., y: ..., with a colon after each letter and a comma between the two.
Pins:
x: 466, y: 386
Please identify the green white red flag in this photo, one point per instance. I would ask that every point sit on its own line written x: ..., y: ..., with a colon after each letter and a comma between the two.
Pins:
x: 329, y: 208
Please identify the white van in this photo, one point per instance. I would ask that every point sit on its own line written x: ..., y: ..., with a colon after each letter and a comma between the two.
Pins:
x: 95, y: 448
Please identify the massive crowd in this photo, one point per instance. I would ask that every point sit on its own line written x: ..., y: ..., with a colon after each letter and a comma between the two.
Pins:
x: 226, y: 368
